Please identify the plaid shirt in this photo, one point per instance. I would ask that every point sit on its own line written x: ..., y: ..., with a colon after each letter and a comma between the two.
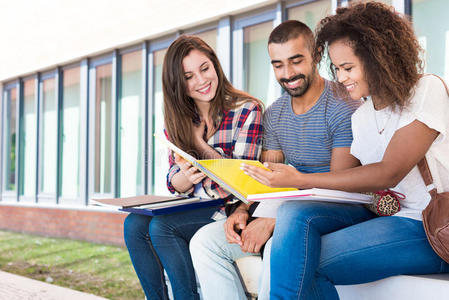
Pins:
x: 238, y: 136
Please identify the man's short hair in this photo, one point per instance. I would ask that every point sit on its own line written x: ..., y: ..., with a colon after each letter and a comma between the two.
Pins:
x: 291, y: 29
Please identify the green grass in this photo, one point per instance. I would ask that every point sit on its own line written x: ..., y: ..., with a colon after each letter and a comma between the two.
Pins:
x: 93, y: 268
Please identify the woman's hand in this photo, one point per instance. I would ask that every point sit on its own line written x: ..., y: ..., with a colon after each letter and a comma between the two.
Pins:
x: 278, y: 175
x: 191, y: 173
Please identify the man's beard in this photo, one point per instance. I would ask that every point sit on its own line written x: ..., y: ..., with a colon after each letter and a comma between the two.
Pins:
x: 300, y: 90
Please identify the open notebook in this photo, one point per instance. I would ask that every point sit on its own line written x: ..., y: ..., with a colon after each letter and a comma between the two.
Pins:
x: 227, y: 173
x: 143, y: 201
x: 153, y: 205
x: 270, y: 202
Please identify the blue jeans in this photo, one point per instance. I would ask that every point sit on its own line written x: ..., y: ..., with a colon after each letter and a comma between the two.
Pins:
x: 162, y: 242
x: 319, y: 245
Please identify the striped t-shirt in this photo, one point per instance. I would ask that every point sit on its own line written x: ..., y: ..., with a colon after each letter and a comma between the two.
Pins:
x: 307, y: 140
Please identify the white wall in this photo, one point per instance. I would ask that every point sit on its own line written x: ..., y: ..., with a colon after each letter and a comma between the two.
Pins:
x: 39, y: 34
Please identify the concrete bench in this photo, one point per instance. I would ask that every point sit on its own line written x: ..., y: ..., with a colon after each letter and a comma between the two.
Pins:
x: 404, y: 287
x: 407, y: 287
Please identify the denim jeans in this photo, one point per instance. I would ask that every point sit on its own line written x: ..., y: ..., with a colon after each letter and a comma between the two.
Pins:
x: 213, y: 258
x: 162, y: 242
x: 319, y: 245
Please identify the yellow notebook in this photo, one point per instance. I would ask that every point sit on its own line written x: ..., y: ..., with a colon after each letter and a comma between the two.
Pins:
x: 227, y: 173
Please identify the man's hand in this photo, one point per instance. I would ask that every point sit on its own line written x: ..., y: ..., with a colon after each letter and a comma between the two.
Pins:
x: 257, y: 234
x: 236, y: 221
x: 191, y: 173
x: 278, y: 175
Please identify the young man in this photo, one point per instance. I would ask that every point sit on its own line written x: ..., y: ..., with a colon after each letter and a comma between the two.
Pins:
x: 309, y: 127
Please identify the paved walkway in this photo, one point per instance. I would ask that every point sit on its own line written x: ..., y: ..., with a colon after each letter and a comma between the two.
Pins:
x: 14, y: 287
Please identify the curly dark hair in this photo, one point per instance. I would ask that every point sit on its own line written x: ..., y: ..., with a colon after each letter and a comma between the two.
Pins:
x: 385, y: 43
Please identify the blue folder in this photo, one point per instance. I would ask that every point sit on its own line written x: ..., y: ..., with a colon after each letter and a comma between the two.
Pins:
x: 174, y: 208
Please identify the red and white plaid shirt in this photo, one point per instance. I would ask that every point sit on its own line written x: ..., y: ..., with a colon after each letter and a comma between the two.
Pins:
x: 238, y: 136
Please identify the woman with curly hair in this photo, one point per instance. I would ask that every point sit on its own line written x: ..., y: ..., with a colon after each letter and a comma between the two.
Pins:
x: 375, y: 56
x: 209, y: 118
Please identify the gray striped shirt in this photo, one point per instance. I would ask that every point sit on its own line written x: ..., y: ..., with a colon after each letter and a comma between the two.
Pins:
x: 307, y: 140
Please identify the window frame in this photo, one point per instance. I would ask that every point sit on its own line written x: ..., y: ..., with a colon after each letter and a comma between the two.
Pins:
x: 10, y: 196
x: 61, y: 199
x: 42, y: 197
x: 152, y: 47
x: 37, y: 86
x: 109, y: 58
x: 143, y: 47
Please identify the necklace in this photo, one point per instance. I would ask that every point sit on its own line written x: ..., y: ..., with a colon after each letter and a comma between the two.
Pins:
x: 381, y: 130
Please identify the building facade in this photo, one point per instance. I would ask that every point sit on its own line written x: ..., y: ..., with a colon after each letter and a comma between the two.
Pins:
x: 81, y: 94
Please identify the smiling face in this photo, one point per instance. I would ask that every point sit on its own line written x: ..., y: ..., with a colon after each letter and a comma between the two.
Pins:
x: 349, y: 69
x: 200, y: 77
x: 293, y: 65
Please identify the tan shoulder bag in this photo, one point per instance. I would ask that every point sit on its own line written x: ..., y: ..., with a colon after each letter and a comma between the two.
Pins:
x: 436, y: 214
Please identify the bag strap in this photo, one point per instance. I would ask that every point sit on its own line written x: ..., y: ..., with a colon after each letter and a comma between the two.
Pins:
x: 423, y: 165
x: 426, y: 175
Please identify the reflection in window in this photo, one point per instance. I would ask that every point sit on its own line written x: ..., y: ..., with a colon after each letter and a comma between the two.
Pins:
x: 432, y: 28
x: 160, y: 153
x: 70, y: 140
x: 103, y: 130
x: 131, y: 126
x: 28, y: 160
x: 363, y: 1
x: 258, y: 75
x: 48, y: 138
x: 310, y: 14
x: 10, y: 140
x: 210, y: 37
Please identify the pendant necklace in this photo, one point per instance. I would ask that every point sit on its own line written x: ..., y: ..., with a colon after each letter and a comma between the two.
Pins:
x: 381, y: 130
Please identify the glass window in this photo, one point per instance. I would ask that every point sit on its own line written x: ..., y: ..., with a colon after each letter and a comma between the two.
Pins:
x: 28, y: 160
x: 432, y: 28
x: 363, y: 1
x: 160, y: 152
x: 258, y: 75
x: 103, y: 130
x: 210, y: 37
x: 311, y: 13
x: 131, y: 126
x: 48, y: 138
x: 9, y: 168
x: 70, y: 137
